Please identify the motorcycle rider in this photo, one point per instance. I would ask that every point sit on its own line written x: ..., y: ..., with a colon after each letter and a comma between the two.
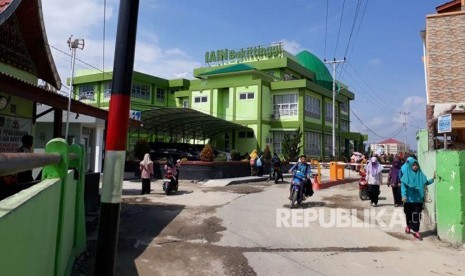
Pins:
x: 305, y: 169
x: 276, y: 163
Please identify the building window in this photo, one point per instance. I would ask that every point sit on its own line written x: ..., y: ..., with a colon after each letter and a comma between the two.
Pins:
x: 344, y: 126
x: 312, y: 107
x: 328, y: 145
x: 107, y: 90
x: 246, y: 134
x: 140, y: 91
x: 86, y: 92
x: 246, y: 96
x: 285, y: 105
x: 200, y: 99
x: 277, y: 141
x: 344, y: 107
x: 160, y: 95
x: 328, y: 112
x: 313, y: 143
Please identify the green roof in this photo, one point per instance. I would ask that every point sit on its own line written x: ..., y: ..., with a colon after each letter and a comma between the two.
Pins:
x: 230, y: 69
x: 313, y: 63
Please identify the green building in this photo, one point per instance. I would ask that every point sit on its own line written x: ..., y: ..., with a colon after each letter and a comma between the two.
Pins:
x: 265, y: 89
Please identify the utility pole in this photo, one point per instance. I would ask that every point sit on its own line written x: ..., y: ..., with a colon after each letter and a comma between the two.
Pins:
x: 333, y: 63
x: 115, y: 150
x: 73, y: 45
x: 405, y: 128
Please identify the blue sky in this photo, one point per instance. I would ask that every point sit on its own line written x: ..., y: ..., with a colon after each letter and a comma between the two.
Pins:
x: 383, y: 68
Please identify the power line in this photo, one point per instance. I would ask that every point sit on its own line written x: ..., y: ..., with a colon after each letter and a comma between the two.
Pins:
x: 340, y: 24
x: 326, y: 27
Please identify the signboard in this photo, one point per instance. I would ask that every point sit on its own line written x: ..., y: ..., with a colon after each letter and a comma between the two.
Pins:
x: 445, y: 123
x: 12, y: 130
x: 244, y: 54
x: 135, y: 114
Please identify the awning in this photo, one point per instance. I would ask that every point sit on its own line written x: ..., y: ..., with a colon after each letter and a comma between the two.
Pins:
x: 29, y: 91
x: 185, y: 122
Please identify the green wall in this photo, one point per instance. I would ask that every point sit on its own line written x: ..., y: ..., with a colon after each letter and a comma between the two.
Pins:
x: 450, y: 168
x: 42, y: 228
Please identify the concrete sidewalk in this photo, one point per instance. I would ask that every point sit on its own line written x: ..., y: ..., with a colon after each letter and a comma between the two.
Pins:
x: 349, y: 176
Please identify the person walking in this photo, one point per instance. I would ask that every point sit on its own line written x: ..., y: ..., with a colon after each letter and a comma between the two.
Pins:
x: 253, y: 159
x: 394, y: 181
x: 374, y: 179
x: 412, y: 189
x: 146, y: 172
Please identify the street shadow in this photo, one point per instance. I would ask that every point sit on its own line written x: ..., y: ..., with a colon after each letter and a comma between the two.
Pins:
x: 141, y: 221
x: 307, y: 204
x: 429, y: 233
x: 132, y: 191
x: 181, y: 192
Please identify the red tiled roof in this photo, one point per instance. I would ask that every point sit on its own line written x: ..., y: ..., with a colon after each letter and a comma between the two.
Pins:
x: 390, y: 141
x: 450, y: 6
x: 4, y: 4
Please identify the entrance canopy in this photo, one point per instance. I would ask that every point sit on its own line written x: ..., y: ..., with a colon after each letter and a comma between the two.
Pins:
x: 186, y: 123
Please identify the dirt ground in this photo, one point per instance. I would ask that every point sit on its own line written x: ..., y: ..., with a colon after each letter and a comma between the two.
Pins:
x: 161, y: 238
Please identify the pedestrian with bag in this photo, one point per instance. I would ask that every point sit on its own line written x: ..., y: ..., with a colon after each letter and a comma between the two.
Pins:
x: 146, y: 172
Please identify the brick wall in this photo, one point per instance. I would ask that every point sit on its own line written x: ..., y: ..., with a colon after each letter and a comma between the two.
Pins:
x: 445, y: 44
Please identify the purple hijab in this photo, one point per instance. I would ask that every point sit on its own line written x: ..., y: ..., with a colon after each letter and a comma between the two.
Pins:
x: 394, y: 171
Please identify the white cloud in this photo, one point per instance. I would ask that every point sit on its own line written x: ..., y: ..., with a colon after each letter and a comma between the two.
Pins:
x: 291, y: 46
x: 84, y: 20
x: 375, y: 61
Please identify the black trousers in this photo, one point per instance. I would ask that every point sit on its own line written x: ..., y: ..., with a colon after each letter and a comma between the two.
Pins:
x: 373, y: 191
x: 412, y: 212
x: 397, y: 195
x: 145, y: 186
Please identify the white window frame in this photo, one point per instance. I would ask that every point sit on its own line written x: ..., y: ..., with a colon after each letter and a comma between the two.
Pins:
x: 247, y: 96
x: 313, y: 143
x: 200, y: 99
x: 285, y: 105
x: 140, y: 91
x: 160, y: 96
x: 312, y: 107
x: 87, y: 92
x: 107, y: 89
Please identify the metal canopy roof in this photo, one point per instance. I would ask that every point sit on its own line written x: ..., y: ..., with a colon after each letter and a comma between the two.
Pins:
x: 186, y: 122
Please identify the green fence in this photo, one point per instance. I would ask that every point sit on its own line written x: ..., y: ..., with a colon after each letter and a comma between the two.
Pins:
x: 42, y: 228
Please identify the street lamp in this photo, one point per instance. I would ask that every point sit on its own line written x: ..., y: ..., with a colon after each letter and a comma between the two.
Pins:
x: 73, y: 45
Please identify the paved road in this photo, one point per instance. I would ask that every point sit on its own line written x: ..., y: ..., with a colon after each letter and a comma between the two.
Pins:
x: 242, y: 230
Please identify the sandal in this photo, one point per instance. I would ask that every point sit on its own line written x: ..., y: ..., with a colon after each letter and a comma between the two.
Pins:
x: 417, y: 235
x: 407, y: 229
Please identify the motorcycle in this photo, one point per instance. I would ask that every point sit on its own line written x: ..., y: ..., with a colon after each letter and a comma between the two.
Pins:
x: 169, y: 183
x: 276, y: 174
x: 297, y: 187
x: 363, y: 187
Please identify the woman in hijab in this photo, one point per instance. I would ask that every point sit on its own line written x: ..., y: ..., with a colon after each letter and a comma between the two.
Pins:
x: 412, y: 188
x: 394, y: 181
x: 253, y: 158
x: 146, y: 171
x: 374, y: 179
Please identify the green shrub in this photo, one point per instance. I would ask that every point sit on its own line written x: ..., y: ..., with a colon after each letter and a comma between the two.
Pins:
x: 235, y: 155
x: 221, y: 157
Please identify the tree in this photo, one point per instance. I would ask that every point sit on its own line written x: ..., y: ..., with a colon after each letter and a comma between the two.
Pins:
x: 291, y: 145
x: 267, y: 153
x: 207, y: 154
